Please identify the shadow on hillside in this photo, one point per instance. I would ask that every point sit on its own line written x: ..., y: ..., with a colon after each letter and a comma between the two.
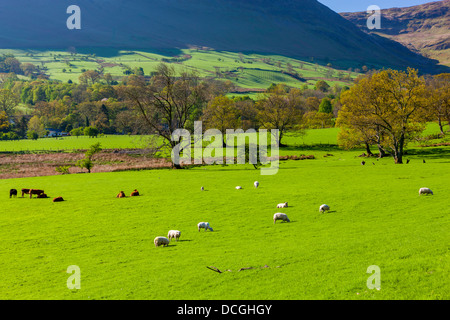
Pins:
x: 108, y: 52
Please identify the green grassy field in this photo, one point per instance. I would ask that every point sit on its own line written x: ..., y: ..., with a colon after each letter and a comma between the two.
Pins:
x: 376, y: 218
x: 250, y: 71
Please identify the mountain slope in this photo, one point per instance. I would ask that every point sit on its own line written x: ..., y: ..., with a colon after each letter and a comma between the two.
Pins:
x: 295, y: 28
x: 423, y: 28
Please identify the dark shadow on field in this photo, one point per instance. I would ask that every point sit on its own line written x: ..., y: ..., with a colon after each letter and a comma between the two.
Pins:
x: 184, y: 240
x: 292, y: 221
x: 429, y: 153
x: 312, y: 147
x: 324, y: 213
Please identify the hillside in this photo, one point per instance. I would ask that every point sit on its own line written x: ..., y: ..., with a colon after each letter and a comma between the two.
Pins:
x: 423, y: 28
x: 298, y: 29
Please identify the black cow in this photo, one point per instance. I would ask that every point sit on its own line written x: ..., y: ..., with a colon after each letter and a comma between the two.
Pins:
x: 13, y: 192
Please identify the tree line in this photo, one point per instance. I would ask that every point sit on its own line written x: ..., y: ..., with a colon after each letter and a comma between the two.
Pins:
x: 29, y: 107
x: 385, y: 108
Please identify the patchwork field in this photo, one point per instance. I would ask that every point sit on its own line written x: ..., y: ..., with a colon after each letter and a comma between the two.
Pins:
x: 249, y: 72
x: 377, y: 218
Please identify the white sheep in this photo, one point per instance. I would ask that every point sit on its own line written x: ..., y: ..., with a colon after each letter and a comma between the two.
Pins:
x: 174, y: 234
x: 161, y: 241
x: 202, y: 188
x: 324, y: 208
x: 238, y: 187
x: 280, y: 216
x: 204, y: 225
x: 256, y: 184
x: 282, y: 205
x: 425, y: 191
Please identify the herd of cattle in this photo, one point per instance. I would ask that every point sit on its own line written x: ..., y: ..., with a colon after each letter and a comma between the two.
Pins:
x: 42, y: 195
x: 39, y: 194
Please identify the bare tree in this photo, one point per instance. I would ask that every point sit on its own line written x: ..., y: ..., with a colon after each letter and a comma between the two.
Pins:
x: 166, y: 103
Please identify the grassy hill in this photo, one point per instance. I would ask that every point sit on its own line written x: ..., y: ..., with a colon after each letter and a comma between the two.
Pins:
x: 250, y: 73
x: 297, y: 29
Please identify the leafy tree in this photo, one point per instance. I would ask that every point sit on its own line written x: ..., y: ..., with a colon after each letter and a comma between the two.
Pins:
x: 281, y: 111
x: 77, y: 132
x: 32, y: 135
x: 438, y: 97
x: 325, y: 106
x: 87, y: 162
x: 322, y: 85
x: 222, y: 114
x: 390, y: 100
x: 91, y: 132
x: 8, y: 101
x: 35, y: 125
x: 4, y: 122
x: 89, y: 77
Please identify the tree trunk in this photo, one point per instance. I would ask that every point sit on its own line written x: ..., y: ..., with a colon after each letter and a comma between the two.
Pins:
x: 369, y: 152
x: 441, y: 126
x: 398, y: 150
x: 381, y: 152
x: 279, y: 140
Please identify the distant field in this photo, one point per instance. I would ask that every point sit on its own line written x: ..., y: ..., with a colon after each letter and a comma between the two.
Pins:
x: 311, y: 137
x: 73, y: 143
x: 247, y: 71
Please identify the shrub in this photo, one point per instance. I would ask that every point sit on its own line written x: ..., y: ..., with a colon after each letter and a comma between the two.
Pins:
x: 63, y: 169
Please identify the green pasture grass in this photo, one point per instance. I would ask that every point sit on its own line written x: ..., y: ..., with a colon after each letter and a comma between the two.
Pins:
x: 377, y: 218
x: 73, y: 143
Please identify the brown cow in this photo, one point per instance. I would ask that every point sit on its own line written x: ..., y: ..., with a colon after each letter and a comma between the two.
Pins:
x: 25, y: 191
x: 121, y: 195
x: 135, y: 193
x: 13, y: 192
x: 35, y: 191
x: 58, y: 199
x: 42, y: 196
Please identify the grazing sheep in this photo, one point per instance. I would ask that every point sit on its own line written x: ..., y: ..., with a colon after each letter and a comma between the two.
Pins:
x: 282, y: 205
x: 238, y: 187
x: 324, y: 208
x: 425, y: 191
x: 161, y: 241
x: 256, y: 184
x: 280, y: 216
x: 204, y: 225
x: 174, y: 234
